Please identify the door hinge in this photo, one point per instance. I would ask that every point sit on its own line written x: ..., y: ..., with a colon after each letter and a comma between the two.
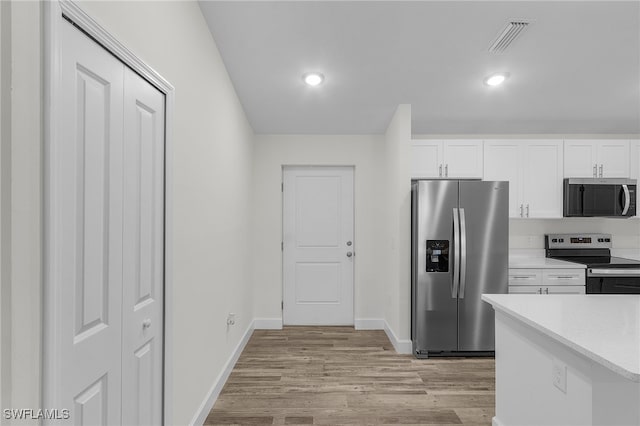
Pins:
x: 281, y: 186
x: 282, y: 245
x: 282, y: 305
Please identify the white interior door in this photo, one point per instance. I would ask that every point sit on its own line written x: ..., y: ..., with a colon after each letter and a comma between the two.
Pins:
x: 318, y: 249
x: 143, y: 279
x: 88, y: 208
x: 108, y: 226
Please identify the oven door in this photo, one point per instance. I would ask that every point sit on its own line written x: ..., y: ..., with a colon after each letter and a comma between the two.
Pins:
x: 613, y: 281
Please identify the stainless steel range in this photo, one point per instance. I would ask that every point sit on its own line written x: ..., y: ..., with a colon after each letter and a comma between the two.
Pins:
x: 606, y: 274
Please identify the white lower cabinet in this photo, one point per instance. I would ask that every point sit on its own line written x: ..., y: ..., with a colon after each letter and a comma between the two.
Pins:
x: 546, y: 281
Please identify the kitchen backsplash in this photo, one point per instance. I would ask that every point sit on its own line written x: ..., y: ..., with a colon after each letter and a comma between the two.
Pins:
x: 529, y: 233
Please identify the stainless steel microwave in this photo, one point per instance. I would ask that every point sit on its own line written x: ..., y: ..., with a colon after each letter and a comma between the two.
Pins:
x: 593, y: 197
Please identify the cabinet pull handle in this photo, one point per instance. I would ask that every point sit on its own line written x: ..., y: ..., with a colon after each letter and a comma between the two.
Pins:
x: 527, y: 210
x: 546, y: 290
x: 563, y: 277
x: 595, y: 170
x: 601, y: 168
x: 540, y: 291
x: 521, y: 213
x: 521, y: 277
x: 446, y: 170
x: 440, y: 170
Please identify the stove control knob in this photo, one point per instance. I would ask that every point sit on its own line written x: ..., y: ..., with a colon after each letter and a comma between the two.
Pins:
x: 554, y: 240
x: 608, y: 240
x: 562, y: 240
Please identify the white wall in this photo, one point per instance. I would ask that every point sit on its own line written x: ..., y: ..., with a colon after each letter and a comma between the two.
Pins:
x: 397, y: 224
x: 271, y: 152
x: 24, y: 197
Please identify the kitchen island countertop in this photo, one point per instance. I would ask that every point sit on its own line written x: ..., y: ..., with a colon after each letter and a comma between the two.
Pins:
x: 604, y: 328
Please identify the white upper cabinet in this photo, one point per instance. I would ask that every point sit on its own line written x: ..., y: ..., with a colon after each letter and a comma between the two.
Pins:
x: 426, y: 159
x: 634, y: 159
x: 534, y: 171
x: 596, y: 158
x: 455, y: 159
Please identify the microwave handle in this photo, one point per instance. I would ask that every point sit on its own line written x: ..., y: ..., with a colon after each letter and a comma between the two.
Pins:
x: 627, y: 199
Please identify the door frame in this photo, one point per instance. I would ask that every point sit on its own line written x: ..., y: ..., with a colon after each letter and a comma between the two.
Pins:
x: 355, y: 237
x: 55, y: 12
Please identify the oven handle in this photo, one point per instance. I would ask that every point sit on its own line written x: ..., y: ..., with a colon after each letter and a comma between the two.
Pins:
x: 627, y: 199
x: 622, y: 272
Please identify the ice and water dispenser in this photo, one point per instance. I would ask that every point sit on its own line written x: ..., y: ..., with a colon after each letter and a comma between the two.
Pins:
x: 437, y: 255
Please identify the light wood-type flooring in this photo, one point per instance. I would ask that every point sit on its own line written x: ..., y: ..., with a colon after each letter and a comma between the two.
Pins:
x: 340, y: 376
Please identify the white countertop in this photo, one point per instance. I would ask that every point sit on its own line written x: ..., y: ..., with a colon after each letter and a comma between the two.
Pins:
x: 532, y: 262
x: 604, y: 328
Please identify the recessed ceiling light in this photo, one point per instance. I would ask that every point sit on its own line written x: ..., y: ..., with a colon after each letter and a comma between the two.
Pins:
x: 313, y: 78
x: 496, y: 79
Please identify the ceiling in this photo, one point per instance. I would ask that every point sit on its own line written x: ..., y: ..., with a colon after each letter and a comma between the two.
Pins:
x: 574, y: 70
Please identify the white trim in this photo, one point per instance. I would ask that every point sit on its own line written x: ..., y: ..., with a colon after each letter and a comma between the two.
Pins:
x: 267, y: 324
x: 369, y: 324
x: 401, y: 346
x: 53, y: 11
x: 207, y: 404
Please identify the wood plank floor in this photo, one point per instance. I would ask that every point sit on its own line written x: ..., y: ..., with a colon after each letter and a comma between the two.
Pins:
x: 340, y: 376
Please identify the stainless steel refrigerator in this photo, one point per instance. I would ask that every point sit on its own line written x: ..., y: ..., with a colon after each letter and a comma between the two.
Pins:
x: 460, y: 244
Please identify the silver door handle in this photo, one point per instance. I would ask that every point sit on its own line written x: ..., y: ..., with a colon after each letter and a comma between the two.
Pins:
x: 463, y: 253
x: 146, y: 324
x: 440, y: 170
x: 601, y: 168
x: 627, y: 199
x: 595, y: 170
x: 521, y: 210
x: 456, y: 254
x: 446, y: 170
x: 349, y: 254
x: 527, y: 210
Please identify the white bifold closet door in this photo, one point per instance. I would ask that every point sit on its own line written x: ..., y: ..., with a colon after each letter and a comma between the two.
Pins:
x: 108, y: 209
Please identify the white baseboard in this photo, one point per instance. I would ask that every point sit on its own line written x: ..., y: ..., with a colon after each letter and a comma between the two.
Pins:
x: 401, y: 346
x: 267, y: 324
x: 496, y: 422
x: 368, y: 324
x: 218, y: 384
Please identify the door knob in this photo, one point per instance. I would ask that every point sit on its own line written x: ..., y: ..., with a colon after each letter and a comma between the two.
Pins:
x: 146, y: 324
x: 349, y: 254
x: 349, y: 243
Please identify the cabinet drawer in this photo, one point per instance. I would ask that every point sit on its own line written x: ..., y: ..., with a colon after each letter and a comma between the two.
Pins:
x: 525, y: 289
x: 553, y: 277
x: 525, y: 277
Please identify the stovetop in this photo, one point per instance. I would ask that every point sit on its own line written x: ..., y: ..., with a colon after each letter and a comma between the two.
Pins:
x: 593, y: 250
x: 601, y: 262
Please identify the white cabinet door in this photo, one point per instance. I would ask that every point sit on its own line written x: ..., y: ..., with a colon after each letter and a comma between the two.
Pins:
x: 634, y: 159
x: 613, y: 156
x: 502, y: 162
x: 564, y: 289
x: 463, y: 159
x: 596, y: 158
x: 580, y: 158
x: 426, y: 159
x: 525, y: 289
x: 542, y: 182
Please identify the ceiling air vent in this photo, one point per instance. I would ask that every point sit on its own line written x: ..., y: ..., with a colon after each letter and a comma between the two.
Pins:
x: 508, y: 35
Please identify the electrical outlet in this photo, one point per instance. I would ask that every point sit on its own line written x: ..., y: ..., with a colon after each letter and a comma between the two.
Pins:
x: 559, y: 375
x: 231, y: 319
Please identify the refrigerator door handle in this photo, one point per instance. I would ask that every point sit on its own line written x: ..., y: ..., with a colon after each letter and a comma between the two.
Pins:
x: 463, y: 253
x: 456, y: 254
